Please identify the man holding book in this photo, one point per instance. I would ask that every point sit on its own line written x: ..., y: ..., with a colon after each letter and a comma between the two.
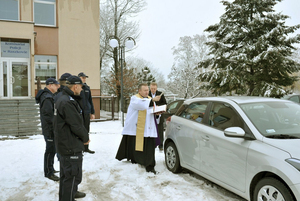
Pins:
x: 153, y: 93
x: 139, y: 134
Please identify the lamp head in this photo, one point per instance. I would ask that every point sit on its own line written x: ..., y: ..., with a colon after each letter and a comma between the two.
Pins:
x: 129, y: 43
x: 114, y: 43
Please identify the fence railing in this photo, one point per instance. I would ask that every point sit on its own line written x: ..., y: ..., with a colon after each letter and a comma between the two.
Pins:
x: 110, y: 107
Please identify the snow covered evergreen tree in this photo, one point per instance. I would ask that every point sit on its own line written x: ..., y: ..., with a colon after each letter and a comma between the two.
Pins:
x: 251, y: 50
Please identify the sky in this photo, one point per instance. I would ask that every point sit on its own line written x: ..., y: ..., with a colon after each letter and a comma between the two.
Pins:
x: 163, y: 22
x: 104, y: 177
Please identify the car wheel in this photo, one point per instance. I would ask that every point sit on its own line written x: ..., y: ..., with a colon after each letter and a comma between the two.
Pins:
x: 172, y: 158
x: 271, y: 189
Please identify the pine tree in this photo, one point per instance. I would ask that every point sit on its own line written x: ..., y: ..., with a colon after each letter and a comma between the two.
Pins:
x: 250, y: 51
x: 146, y: 76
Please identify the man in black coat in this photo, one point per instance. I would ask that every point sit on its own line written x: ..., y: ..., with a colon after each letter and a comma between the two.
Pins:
x: 70, y: 138
x: 62, y: 81
x: 152, y: 93
x: 88, y: 107
x: 45, y: 99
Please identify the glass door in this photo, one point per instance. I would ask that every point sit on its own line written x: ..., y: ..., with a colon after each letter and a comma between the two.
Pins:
x: 19, y: 79
x: 3, y: 79
x: 14, y: 79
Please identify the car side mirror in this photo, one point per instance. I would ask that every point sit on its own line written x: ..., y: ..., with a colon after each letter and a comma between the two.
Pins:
x: 234, y: 132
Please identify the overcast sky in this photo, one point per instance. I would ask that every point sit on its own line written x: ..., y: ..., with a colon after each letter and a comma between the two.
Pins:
x: 165, y: 21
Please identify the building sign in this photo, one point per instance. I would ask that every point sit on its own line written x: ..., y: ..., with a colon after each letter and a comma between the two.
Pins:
x: 13, y: 49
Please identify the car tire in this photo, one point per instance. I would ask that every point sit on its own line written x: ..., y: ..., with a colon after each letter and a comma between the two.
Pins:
x: 271, y: 189
x: 172, y: 158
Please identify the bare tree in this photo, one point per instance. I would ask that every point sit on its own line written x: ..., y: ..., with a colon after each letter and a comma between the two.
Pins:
x: 139, y: 63
x: 116, y: 21
x: 183, y: 76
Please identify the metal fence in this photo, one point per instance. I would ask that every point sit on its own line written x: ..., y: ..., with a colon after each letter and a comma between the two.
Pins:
x: 110, y: 107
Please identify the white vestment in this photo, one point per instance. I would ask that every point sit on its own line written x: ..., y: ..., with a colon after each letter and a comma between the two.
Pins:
x: 130, y: 126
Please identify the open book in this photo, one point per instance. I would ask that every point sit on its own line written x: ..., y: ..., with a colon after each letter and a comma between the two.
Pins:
x: 161, y: 108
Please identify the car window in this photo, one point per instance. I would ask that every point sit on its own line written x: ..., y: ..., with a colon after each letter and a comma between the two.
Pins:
x: 274, y: 118
x: 295, y: 99
x: 195, y: 111
x: 173, y: 105
x: 222, y: 116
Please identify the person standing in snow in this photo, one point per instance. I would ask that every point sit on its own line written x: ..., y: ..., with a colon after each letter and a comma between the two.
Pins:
x: 62, y: 81
x: 45, y: 99
x: 160, y: 127
x: 88, y: 107
x: 140, y: 133
x: 70, y: 138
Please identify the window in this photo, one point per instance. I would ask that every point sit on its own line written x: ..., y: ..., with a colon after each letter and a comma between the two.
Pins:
x: 295, y: 99
x: 223, y: 116
x: 9, y: 9
x: 45, y: 12
x: 195, y: 111
x: 45, y: 67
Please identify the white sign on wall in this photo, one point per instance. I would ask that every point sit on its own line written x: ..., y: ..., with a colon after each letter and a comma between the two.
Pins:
x: 14, y: 49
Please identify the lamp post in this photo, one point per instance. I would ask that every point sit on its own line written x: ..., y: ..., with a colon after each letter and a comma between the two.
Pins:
x: 129, y: 43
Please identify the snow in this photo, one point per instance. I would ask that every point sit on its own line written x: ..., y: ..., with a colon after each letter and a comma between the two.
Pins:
x: 104, y: 177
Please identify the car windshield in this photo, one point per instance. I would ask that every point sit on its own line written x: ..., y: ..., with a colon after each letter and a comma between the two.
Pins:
x: 275, y: 119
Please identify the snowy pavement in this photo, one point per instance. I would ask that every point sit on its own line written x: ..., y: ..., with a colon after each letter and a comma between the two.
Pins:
x: 104, y: 177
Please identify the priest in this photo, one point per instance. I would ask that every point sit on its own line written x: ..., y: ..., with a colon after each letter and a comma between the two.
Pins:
x: 140, y: 130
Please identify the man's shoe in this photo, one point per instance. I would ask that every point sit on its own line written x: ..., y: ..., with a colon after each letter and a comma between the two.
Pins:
x: 89, y: 151
x: 53, y: 177
x: 79, y: 194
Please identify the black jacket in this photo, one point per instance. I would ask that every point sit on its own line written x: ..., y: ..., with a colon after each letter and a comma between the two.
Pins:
x: 45, y: 99
x: 87, y: 102
x: 162, y: 100
x: 58, y: 93
x: 69, y: 131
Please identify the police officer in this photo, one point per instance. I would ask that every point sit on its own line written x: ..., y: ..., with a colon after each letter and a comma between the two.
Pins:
x: 62, y: 81
x: 45, y: 99
x: 70, y: 138
x: 88, y: 107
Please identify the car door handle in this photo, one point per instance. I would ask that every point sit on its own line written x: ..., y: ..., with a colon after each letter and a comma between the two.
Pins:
x: 178, y: 127
x: 205, y: 138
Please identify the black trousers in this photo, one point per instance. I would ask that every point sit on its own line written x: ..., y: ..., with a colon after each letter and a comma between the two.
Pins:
x: 87, y: 126
x: 160, y: 128
x: 49, y: 156
x: 70, y: 176
x: 145, y: 157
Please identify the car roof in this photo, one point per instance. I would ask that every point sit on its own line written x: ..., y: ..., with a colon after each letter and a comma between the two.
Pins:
x: 236, y: 99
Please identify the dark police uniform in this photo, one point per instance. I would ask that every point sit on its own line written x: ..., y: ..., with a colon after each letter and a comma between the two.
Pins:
x: 45, y: 99
x: 88, y: 108
x: 63, y: 77
x: 70, y: 134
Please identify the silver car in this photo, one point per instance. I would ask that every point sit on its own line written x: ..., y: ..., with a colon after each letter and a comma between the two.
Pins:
x: 248, y: 145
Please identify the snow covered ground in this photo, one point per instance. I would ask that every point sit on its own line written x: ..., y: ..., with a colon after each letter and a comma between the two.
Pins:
x: 104, y: 177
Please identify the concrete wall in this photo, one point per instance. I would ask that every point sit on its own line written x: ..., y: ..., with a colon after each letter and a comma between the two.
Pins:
x: 78, y: 23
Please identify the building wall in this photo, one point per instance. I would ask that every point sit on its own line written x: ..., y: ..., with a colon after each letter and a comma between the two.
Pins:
x: 75, y: 39
x: 78, y: 23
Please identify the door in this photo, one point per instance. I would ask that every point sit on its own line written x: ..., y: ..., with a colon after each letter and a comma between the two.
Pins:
x: 14, y: 82
x: 224, y: 158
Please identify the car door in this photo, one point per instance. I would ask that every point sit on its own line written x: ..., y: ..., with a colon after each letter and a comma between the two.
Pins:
x: 224, y: 158
x: 188, y: 134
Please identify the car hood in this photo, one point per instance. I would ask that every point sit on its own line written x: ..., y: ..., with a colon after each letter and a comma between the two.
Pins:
x: 289, y: 145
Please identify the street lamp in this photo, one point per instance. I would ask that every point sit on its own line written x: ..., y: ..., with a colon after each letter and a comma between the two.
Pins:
x: 129, y: 43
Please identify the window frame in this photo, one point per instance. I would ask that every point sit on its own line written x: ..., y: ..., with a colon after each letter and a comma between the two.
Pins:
x: 18, y: 13
x: 49, y: 3
x: 45, y: 63
x: 185, y: 108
